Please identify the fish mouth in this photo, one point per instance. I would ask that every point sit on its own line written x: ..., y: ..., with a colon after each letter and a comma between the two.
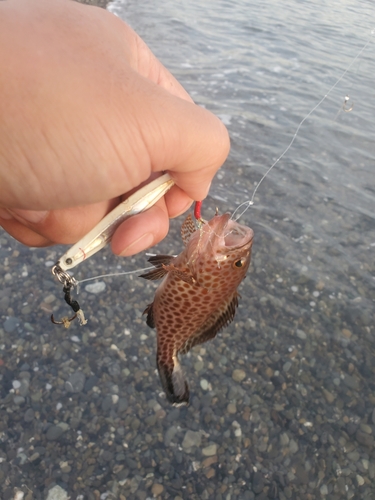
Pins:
x: 230, y: 233
x: 237, y: 235
x: 219, y: 236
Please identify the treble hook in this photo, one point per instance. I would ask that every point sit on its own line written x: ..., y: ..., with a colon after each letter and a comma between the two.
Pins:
x: 344, y: 106
x: 64, y: 321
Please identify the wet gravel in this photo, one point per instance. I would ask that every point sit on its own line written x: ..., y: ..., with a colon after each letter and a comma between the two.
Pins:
x: 282, y: 401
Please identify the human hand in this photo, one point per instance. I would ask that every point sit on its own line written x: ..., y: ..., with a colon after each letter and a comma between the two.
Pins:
x: 87, y: 113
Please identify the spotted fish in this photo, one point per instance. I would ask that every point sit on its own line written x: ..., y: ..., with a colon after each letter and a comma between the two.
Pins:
x: 198, y: 295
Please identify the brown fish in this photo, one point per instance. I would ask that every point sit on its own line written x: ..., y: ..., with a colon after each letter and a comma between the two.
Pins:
x: 198, y: 295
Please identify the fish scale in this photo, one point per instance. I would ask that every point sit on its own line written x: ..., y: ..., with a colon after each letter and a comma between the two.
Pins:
x: 198, y: 295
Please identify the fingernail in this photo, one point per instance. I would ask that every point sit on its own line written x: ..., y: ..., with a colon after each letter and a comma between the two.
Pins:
x: 32, y: 216
x: 4, y: 214
x: 145, y: 241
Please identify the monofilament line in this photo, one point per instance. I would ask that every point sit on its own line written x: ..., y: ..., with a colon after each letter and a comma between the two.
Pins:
x: 250, y: 202
x: 125, y: 273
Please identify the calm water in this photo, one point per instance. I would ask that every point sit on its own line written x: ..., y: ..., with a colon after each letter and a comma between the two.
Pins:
x: 300, y: 425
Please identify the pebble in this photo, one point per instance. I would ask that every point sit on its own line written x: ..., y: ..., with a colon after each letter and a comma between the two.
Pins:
x: 16, y: 384
x: 75, y: 382
x: 198, y: 365
x: 365, y: 463
x: 301, y: 334
x: 97, y: 287
x: 204, y: 384
x: 107, y: 403
x: 293, y: 446
x: 257, y: 482
x: 284, y: 439
x: 209, y: 473
x: 323, y: 490
x: 351, y: 382
x: 232, y: 408
x: 57, y: 493
x: 54, y: 432
x: 157, y: 489
x: 169, y: 435
x: 287, y: 366
x: 353, y: 456
x: 364, y: 439
x: 360, y: 480
x: 49, y: 298
x: 191, y: 438
x: 329, y: 397
x: 238, y: 375
x: 238, y: 432
x: 10, y: 324
x: 18, y: 400
x: 366, y: 428
x: 210, y: 450
x: 29, y: 415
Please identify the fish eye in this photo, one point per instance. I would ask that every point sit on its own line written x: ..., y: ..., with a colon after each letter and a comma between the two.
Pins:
x: 239, y: 262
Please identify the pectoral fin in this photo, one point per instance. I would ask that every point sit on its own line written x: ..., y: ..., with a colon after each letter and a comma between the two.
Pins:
x: 214, y: 323
x: 154, y: 274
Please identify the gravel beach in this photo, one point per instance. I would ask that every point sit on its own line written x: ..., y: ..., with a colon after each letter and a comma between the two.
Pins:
x: 282, y: 401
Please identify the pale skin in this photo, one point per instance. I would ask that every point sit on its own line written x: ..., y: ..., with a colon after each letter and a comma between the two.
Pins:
x: 87, y: 113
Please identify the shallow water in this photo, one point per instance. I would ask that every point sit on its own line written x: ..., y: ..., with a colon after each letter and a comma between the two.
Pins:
x: 283, y: 400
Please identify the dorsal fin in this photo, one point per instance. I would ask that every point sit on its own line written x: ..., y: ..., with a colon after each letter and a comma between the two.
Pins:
x: 158, y: 260
x: 214, y: 323
x: 187, y: 229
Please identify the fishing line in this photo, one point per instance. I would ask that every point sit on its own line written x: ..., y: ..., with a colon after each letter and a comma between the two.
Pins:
x: 248, y: 203
x: 125, y: 273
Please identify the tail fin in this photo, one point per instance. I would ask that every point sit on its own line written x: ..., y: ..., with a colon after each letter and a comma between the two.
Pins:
x: 173, y: 381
